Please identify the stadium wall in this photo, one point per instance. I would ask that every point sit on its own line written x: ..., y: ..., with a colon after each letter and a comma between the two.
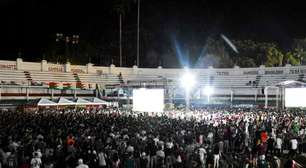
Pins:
x: 240, y: 93
x: 19, y: 64
x: 169, y: 73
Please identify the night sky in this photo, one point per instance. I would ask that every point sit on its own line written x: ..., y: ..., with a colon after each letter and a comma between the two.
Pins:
x: 29, y: 26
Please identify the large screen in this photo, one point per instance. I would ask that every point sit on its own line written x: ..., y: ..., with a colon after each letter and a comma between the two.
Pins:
x: 148, y: 100
x: 295, y: 97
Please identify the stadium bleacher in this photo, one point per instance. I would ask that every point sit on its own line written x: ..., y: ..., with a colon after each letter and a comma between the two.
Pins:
x: 52, y: 76
x: 105, y: 79
x: 139, y: 80
x: 232, y: 81
x: 267, y: 80
x: 8, y: 77
x: 235, y: 81
x: 244, y: 82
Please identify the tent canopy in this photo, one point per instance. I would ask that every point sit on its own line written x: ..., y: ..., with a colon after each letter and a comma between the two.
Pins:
x: 63, y: 102
x: 45, y: 102
x: 292, y: 83
x: 97, y: 101
x: 80, y: 101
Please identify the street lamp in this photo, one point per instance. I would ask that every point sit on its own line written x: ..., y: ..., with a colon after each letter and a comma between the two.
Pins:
x: 138, y: 23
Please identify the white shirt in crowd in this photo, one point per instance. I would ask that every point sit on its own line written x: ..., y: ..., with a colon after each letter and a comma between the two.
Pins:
x: 36, y: 162
x: 81, y: 164
x: 301, y: 132
x: 201, y: 139
x: 102, y: 158
x: 202, y: 154
x: 279, y: 143
x: 210, y: 135
x: 294, y: 144
x: 273, y: 134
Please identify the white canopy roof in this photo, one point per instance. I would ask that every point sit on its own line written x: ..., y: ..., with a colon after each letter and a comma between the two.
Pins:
x: 64, y: 101
x: 80, y: 101
x: 97, y: 101
x: 292, y: 83
x: 45, y: 102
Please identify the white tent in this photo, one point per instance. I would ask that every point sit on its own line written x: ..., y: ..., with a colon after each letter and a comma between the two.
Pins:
x: 97, y: 101
x: 64, y: 102
x: 280, y: 90
x: 80, y: 101
x: 45, y: 102
x: 292, y: 83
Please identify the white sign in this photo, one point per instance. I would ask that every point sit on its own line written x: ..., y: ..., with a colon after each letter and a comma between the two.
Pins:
x: 295, y: 97
x: 148, y: 100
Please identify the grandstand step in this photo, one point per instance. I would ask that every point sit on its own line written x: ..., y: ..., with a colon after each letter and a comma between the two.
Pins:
x: 258, y: 78
x: 301, y: 77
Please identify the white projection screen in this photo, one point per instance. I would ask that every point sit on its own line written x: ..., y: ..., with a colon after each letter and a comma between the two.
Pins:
x: 295, y: 97
x: 148, y: 100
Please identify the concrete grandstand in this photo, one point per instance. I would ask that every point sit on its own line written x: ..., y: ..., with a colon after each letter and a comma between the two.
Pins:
x: 30, y: 80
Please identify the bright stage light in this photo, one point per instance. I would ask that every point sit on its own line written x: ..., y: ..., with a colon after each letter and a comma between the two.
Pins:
x: 188, y: 81
x: 208, y: 90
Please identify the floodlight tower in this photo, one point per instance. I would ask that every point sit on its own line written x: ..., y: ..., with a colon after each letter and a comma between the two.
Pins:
x: 187, y: 82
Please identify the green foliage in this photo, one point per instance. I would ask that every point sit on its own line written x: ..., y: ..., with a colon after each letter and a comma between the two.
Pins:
x: 291, y: 59
x: 216, y: 54
x: 251, y: 53
x: 269, y: 54
x: 296, y: 56
x: 274, y: 57
x: 299, y: 51
x: 246, y: 62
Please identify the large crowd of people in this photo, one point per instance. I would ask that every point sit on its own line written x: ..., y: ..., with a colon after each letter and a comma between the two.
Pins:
x: 206, y: 137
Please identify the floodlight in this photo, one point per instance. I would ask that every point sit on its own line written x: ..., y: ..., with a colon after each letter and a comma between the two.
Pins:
x: 208, y: 90
x: 188, y: 81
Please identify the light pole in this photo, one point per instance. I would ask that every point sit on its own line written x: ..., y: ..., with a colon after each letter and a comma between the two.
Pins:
x: 75, y: 45
x: 59, y: 37
x: 120, y: 39
x: 138, y: 19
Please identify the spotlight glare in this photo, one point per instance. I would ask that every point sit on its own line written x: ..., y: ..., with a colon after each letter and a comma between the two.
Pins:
x: 208, y: 90
x: 188, y: 81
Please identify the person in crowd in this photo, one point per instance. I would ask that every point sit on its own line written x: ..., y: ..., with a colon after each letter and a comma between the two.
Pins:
x: 270, y: 146
x: 81, y: 164
x: 294, y: 147
x: 36, y: 160
x: 102, y: 157
x: 278, y: 146
x: 276, y: 162
x: 216, y: 152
